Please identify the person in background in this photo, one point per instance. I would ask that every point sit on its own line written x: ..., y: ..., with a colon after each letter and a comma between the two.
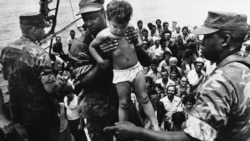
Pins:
x: 64, y: 125
x: 173, y: 61
x: 185, y: 35
x: 153, y: 72
x: 58, y: 48
x: 139, y: 26
x: 174, y: 75
x: 165, y: 29
x: 164, y: 81
x: 167, y: 106
x: 223, y: 97
x: 188, y: 61
x: 165, y: 62
x: 178, y: 118
x: 154, y: 32
x: 183, y: 87
x: 176, y: 33
x: 76, y: 124
x: 189, y: 104
x: 197, y: 75
x: 34, y: 90
x: 72, y: 37
x: 158, y: 25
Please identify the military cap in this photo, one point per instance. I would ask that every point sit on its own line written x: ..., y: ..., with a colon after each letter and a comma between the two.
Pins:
x: 222, y: 20
x: 86, y: 6
x: 34, y: 19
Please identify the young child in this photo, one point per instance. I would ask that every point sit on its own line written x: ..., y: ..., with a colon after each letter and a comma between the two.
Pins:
x: 126, y: 67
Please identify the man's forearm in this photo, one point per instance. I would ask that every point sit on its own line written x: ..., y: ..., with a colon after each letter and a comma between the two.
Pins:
x: 150, y: 135
x: 92, y: 77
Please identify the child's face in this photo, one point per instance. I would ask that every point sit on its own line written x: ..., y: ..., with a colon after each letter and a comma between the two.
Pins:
x: 116, y: 28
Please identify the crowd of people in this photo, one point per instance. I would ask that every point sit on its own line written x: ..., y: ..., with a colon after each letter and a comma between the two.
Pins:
x: 120, y: 82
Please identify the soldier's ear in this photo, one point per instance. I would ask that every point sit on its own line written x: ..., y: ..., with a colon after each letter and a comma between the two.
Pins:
x: 34, y: 29
x: 226, y: 40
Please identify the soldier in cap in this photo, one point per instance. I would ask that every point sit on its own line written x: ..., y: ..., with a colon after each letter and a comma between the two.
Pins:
x: 100, y: 105
x: 33, y: 86
x: 222, y: 111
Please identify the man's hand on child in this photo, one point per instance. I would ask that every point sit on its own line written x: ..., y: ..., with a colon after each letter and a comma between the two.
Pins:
x: 109, y: 45
x: 131, y: 35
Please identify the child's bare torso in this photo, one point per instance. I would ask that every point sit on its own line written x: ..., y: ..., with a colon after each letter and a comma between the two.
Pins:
x: 124, y: 56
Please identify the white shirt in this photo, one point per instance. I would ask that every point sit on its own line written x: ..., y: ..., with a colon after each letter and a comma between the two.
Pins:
x: 70, y: 40
x: 172, y: 107
x: 193, y: 77
x: 170, y: 82
x: 72, y: 110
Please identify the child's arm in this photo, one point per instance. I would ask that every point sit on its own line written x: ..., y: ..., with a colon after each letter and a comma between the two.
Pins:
x: 92, y: 49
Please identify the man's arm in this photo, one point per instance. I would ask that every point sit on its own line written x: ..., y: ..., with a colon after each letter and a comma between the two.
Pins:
x: 129, y: 130
x: 89, y: 79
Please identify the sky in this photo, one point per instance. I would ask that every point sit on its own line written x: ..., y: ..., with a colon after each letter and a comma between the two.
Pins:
x: 185, y: 12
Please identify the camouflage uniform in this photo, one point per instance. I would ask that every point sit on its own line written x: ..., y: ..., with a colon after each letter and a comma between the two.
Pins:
x: 100, y: 105
x: 24, y: 63
x: 223, y: 104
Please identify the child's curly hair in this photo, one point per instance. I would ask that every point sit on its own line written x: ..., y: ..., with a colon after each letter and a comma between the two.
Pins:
x: 119, y: 10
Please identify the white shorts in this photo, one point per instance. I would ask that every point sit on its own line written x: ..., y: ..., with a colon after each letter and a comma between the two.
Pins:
x: 127, y: 75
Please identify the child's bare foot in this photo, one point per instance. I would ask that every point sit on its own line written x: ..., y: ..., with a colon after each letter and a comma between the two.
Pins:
x: 156, y: 127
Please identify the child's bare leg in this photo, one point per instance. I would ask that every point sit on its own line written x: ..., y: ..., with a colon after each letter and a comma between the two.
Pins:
x: 124, y: 91
x: 142, y: 97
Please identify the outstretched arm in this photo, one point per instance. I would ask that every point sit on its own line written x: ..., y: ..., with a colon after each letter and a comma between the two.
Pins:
x: 129, y: 130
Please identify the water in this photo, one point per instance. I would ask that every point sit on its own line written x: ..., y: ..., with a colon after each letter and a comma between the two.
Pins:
x: 185, y: 12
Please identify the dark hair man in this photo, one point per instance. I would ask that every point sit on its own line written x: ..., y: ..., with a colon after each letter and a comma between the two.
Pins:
x: 100, y: 106
x: 33, y: 86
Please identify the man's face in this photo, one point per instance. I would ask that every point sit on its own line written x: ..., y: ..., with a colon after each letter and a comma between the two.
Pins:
x: 173, y: 63
x: 158, y: 23
x: 148, y: 84
x: 58, y: 39
x: 118, y: 29
x: 72, y: 34
x: 171, y: 91
x: 164, y: 75
x: 189, y: 105
x: 157, y: 43
x: 153, y: 98
x: 145, y: 34
x: 154, y: 67
x: 198, y: 66
x: 184, y: 81
x: 185, y: 31
x: 153, y: 29
x: 211, y: 46
x: 167, y: 56
x: 167, y: 36
x: 166, y: 26
x: 139, y: 25
x: 94, y: 21
x: 173, y: 75
x: 178, y: 29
